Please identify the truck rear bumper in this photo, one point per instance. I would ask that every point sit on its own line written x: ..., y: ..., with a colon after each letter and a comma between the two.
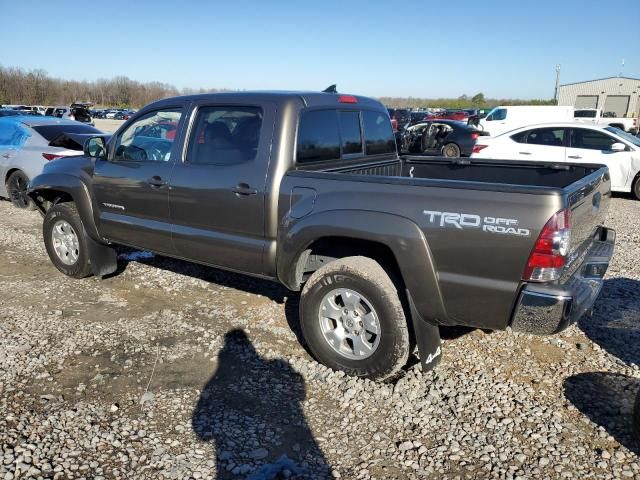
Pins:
x: 547, y: 309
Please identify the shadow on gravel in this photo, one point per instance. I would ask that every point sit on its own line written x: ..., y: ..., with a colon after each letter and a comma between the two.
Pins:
x: 251, y: 409
x: 608, y: 400
x: 272, y: 290
x: 615, y: 324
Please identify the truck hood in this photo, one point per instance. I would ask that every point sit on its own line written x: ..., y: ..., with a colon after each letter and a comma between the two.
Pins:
x: 70, y: 165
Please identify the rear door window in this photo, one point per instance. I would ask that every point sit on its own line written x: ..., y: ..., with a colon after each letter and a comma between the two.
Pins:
x: 318, y: 136
x: 225, y: 135
x: 550, y: 137
x: 379, y: 138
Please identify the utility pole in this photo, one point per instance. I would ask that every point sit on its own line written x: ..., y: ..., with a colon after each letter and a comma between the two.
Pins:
x: 555, y: 94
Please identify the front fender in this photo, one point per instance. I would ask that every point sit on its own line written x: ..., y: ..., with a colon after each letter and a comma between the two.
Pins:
x: 401, y: 235
x: 52, y: 186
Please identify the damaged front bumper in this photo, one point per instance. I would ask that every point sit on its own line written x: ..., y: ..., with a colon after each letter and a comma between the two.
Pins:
x: 545, y: 309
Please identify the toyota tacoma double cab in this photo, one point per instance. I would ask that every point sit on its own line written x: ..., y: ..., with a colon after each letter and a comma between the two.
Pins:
x: 307, y: 189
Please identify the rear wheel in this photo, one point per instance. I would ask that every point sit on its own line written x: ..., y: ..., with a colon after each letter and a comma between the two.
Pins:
x: 451, y: 150
x: 636, y: 188
x: 352, y: 319
x: 65, y: 240
x: 17, y: 185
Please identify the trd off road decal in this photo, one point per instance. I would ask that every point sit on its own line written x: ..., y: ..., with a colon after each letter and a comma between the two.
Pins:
x: 505, y: 226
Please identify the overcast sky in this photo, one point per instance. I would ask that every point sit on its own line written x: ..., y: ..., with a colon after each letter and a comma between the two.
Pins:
x: 505, y: 49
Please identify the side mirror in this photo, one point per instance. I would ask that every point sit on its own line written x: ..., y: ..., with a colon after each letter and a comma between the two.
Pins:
x: 618, y: 147
x: 95, y: 147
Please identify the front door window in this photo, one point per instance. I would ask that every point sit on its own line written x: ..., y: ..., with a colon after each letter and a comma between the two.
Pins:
x: 149, y: 139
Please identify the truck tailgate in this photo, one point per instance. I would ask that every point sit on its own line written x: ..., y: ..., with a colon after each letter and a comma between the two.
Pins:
x: 588, y: 200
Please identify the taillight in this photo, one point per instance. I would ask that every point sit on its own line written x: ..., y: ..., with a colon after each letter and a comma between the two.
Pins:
x: 478, y: 148
x: 474, y: 136
x: 347, y: 99
x: 51, y: 156
x: 549, y: 254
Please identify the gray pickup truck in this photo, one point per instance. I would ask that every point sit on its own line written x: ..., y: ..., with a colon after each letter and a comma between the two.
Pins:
x: 308, y: 189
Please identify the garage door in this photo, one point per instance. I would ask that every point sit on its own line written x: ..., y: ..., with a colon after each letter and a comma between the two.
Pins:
x: 616, y: 105
x: 587, y: 101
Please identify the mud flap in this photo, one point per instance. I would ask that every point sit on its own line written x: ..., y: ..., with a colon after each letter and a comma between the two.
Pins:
x: 427, y: 338
x: 103, y: 259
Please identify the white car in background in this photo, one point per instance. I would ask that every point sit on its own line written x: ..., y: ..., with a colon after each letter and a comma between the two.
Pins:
x: 594, y: 116
x: 570, y: 142
x: 506, y: 118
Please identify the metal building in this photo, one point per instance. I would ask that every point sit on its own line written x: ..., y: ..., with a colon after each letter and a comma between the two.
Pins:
x: 615, y: 96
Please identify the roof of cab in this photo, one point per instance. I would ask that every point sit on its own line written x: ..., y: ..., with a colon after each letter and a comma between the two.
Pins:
x: 304, y: 99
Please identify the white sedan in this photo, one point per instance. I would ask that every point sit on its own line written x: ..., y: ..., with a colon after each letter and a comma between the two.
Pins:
x: 571, y: 142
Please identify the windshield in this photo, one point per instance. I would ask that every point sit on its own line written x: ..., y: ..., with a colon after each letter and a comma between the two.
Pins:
x: 497, y: 114
x: 624, y: 135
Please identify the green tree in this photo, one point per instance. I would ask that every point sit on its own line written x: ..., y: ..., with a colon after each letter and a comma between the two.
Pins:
x: 478, y: 99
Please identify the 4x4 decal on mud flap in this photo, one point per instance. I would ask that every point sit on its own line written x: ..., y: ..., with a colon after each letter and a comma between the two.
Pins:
x: 433, y: 356
x: 505, y: 226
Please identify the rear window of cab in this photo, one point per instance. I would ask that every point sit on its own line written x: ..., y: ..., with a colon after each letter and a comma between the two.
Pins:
x: 333, y: 134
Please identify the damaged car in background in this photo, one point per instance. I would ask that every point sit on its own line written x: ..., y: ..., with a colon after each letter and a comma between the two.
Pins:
x: 28, y: 143
x: 448, y: 138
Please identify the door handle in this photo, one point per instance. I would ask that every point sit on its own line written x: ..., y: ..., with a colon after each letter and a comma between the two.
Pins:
x: 244, y: 190
x: 6, y: 155
x: 575, y: 157
x: 524, y: 153
x: 156, y: 182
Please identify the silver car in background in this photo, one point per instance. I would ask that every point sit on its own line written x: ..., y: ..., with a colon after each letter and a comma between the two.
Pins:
x: 28, y: 143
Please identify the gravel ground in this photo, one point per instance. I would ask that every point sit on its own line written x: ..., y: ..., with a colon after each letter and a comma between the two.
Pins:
x: 107, y: 125
x: 171, y: 370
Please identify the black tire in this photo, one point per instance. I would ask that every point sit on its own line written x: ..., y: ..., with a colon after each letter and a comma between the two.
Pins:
x: 369, y: 280
x: 451, y: 150
x: 67, y: 212
x: 17, y: 184
x: 636, y: 188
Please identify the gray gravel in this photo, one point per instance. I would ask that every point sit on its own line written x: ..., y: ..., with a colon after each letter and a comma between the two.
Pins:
x: 171, y: 370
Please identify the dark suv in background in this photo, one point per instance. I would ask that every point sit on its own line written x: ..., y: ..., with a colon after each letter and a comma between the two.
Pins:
x: 76, y: 111
x: 400, y: 117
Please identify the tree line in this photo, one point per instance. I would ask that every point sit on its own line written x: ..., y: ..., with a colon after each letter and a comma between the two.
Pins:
x: 36, y: 87
x: 464, y: 101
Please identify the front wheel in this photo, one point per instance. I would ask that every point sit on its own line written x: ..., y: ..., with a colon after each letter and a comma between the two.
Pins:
x: 17, y: 185
x: 451, y: 150
x: 352, y: 319
x: 65, y: 240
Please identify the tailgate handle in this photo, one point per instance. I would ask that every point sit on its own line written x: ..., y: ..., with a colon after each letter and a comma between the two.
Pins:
x: 524, y: 153
x: 595, y: 201
x: 575, y: 157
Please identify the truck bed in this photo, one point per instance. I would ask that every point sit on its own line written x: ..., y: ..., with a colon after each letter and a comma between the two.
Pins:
x: 483, y: 268
x: 498, y: 172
